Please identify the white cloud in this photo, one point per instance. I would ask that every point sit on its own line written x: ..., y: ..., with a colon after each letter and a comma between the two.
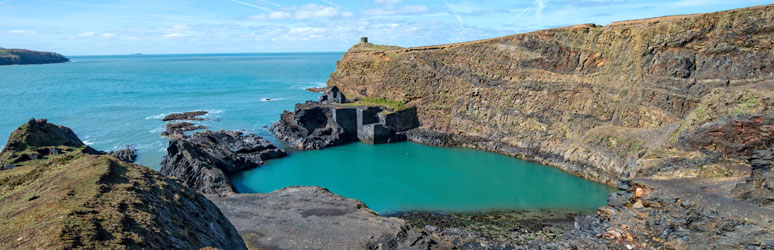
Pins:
x: 173, y: 35
x: 404, y: 10
x: 304, y: 12
x: 87, y: 34
x: 273, y: 15
x: 314, y: 10
x: 22, y: 32
x: 387, y: 1
x: 108, y: 35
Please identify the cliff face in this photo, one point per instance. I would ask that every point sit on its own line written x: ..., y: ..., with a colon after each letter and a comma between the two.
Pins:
x: 71, y: 197
x: 604, y: 103
x: 23, y: 56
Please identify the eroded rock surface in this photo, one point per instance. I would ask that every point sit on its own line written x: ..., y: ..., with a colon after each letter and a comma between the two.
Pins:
x: 312, y: 127
x: 314, y: 218
x: 203, y: 160
x: 128, y: 154
x: 601, y: 102
x: 316, y: 125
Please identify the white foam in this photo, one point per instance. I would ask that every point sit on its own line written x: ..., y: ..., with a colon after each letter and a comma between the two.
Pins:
x: 271, y: 99
x: 157, y: 117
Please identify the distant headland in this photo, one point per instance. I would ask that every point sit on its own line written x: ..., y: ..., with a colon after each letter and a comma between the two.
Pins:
x: 23, y: 56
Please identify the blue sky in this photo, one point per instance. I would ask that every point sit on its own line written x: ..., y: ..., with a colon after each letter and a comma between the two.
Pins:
x: 96, y: 27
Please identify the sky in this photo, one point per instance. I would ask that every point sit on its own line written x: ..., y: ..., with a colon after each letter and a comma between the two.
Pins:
x: 105, y: 27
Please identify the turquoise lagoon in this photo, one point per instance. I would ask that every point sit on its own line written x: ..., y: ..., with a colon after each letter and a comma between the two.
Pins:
x: 112, y: 101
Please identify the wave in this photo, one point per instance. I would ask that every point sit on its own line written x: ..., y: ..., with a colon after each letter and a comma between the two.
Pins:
x: 157, y: 117
x: 210, y: 113
x: 271, y: 99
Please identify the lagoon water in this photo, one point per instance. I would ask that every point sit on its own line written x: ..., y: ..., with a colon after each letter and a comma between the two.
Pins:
x: 111, y: 101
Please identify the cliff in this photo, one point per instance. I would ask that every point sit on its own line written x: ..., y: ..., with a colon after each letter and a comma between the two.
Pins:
x: 23, y: 56
x: 71, y: 196
x: 642, y: 98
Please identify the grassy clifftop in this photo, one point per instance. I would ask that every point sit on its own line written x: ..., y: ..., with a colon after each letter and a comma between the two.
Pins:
x: 70, y: 198
x: 602, y: 102
x: 23, y: 56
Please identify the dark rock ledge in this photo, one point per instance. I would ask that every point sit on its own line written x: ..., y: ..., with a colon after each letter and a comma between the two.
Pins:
x: 203, y: 160
x: 328, y: 122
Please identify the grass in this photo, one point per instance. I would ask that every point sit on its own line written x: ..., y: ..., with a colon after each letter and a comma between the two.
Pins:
x: 370, y: 101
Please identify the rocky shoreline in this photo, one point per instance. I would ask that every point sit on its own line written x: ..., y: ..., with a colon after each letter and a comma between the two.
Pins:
x: 675, y: 112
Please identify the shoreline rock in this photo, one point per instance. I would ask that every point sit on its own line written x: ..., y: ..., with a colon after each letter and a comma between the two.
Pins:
x: 302, y: 217
x: 128, y: 154
x: 178, y: 128
x: 203, y: 160
x: 190, y: 116
x: 325, y: 123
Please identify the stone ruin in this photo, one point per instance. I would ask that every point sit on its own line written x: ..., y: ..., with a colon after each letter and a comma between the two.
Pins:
x: 315, y: 125
x: 363, y: 39
x: 333, y: 96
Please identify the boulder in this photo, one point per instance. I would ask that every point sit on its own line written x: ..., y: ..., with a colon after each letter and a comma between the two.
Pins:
x: 203, y: 160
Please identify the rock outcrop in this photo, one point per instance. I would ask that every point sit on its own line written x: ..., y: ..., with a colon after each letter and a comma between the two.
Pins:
x: 203, y: 160
x: 190, y: 116
x: 74, y: 200
x: 313, y: 217
x: 38, y: 139
x: 128, y: 154
x: 759, y: 187
x: 23, y: 56
x: 316, y: 125
x: 601, y: 102
x: 312, y: 126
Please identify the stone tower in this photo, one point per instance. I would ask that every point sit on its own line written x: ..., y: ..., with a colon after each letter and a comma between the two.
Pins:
x: 363, y: 39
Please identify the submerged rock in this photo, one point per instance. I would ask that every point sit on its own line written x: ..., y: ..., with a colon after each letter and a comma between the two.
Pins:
x: 203, y: 160
x: 177, y: 129
x: 128, y: 154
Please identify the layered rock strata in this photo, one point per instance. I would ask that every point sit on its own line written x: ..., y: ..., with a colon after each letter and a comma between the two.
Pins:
x: 128, y: 154
x: 203, y: 160
x: 602, y: 102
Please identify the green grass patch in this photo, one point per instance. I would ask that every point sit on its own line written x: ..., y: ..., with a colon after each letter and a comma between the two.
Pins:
x: 369, y: 101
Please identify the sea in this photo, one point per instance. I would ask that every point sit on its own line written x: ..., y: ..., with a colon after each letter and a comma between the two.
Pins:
x: 114, y: 101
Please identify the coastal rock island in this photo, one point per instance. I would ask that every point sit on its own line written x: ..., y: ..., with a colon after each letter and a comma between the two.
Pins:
x: 23, y: 56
